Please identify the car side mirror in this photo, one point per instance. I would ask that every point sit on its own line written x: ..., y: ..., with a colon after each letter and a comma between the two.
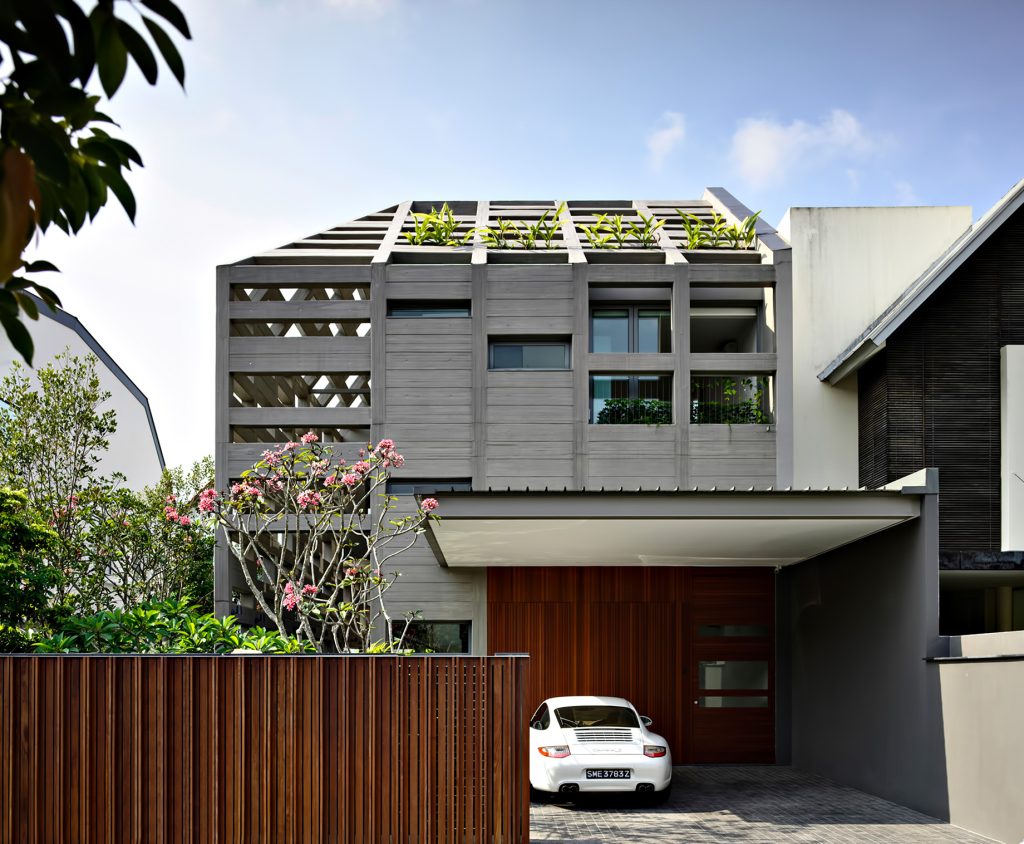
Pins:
x: 646, y: 721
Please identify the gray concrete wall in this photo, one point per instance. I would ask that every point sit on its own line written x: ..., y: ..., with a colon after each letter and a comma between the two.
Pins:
x: 865, y: 705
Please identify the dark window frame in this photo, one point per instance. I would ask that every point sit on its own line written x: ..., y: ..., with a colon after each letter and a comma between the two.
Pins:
x: 428, y: 486
x: 634, y: 389
x: 533, y: 340
x: 633, y: 309
x: 428, y: 305
x: 398, y: 624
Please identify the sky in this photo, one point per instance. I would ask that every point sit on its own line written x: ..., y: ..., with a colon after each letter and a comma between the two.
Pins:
x: 301, y: 114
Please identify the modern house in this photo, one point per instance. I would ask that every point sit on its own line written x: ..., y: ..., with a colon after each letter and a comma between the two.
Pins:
x: 135, y: 447
x: 657, y: 472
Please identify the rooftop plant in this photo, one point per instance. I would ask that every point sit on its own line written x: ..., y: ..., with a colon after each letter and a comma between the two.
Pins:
x: 508, y: 234
x: 713, y: 234
x: 435, y: 228
x: 616, y: 232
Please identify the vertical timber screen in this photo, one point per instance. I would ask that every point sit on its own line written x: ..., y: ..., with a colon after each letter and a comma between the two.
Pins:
x: 262, y: 749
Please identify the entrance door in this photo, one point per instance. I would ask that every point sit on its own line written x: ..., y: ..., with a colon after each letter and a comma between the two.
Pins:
x: 731, y: 700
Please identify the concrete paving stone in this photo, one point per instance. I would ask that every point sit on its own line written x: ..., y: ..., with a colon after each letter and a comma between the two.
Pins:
x: 747, y: 804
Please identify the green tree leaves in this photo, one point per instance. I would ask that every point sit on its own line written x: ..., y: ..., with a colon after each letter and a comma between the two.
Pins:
x: 58, y: 166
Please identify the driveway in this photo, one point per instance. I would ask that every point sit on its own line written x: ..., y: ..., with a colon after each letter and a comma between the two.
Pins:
x: 741, y: 805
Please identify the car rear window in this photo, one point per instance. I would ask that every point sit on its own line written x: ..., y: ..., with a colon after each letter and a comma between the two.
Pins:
x: 596, y: 716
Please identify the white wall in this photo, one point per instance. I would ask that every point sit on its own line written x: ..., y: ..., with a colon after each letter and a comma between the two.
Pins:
x: 132, y: 449
x: 1011, y: 395
x: 849, y: 265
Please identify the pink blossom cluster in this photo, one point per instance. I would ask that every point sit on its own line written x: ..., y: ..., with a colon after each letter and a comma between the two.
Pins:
x: 362, y: 467
x: 309, y: 437
x: 428, y: 505
x: 318, y: 467
x: 206, y: 500
x: 247, y: 489
x: 388, y: 456
x: 351, y: 572
x: 170, y: 513
x: 291, y: 597
x: 308, y: 500
x: 272, y: 458
x: 171, y: 499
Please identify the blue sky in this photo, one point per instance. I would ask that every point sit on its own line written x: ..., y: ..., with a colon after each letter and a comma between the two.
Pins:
x: 300, y: 114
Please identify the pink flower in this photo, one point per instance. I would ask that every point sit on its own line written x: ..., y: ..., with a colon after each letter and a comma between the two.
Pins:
x: 171, y: 499
x: 362, y: 467
x: 308, y: 499
x: 309, y: 437
x: 330, y: 480
x: 206, y: 499
x: 350, y: 480
x: 351, y: 572
x: 271, y: 458
x: 184, y: 521
x: 428, y: 505
x: 385, y: 445
x: 318, y: 467
x: 290, y: 446
x: 309, y: 590
x: 170, y: 513
x: 291, y: 600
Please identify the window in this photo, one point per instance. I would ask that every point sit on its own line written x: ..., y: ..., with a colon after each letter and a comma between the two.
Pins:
x: 633, y: 328
x: 734, y: 702
x: 595, y: 716
x: 729, y: 329
x: 631, y: 399
x: 431, y: 309
x: 747, y: 631
x: 734, y: 674
x: 541, y: 719
x: 538, y: 353
x: 426, y: 486
x: 439, y: 637
x: 732, y: 400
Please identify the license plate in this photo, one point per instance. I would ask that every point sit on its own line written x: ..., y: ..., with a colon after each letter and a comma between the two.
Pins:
x: 607, y: 773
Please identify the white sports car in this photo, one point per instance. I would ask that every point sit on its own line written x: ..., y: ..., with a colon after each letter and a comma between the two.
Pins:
x: 588, y: 743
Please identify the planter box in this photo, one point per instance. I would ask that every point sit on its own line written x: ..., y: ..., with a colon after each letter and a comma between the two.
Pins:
x: 722, y: 256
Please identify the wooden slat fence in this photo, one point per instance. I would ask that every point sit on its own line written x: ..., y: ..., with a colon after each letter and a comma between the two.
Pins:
x: 262, y: 749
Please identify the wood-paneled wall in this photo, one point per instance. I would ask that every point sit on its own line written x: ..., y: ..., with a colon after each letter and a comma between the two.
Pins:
x: 630, y: 632
x: 262, y: 749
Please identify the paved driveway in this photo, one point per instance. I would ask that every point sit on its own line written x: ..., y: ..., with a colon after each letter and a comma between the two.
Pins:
x: 744, y: 805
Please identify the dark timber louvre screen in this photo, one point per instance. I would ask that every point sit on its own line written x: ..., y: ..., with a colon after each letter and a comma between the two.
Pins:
x: 262, y: 749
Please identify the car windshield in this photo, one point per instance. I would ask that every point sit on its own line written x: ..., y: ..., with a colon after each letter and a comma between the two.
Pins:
x: 596, y: 716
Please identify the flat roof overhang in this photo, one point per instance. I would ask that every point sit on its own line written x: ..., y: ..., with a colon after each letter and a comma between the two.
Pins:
x: 590, y: 528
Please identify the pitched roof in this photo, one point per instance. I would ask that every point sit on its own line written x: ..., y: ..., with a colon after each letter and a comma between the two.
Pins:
x: 872, y: 340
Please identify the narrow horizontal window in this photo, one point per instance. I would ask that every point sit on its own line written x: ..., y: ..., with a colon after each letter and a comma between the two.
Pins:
x: 734, y: 702
x: 747, y: 631
x: 426, y: 486
x: 631, y: 399
x: 734, y: 674
x: 539, y: 353
x: 431, y: 309
x: 437, y: 637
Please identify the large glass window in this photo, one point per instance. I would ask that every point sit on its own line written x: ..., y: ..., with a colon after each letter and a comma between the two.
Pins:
x: 430, y: 309
x: 732, y: 400
x: 631, y: 399
x: 734, y: 674
x: 539, y: 353
x: 633, y: 328
x: 439, y: 637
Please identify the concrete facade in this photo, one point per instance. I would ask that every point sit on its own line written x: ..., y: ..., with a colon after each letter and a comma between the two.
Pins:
x: 848, y: 265
x: 135, y: 447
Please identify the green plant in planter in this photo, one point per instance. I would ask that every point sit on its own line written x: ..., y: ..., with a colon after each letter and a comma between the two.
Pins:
x: 697, y: 237
x: 436, y: 228
x: 600, y: 235
x: 545, y: 229
x: 505, y: 236
x: 646, y: 235
x: 635, y: 412
x: 618, y: 229
x: 730, y: 409
x: 742, y: 236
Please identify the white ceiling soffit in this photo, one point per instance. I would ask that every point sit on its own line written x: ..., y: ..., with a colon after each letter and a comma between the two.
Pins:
x: 874, y: 337
x: 756, y: 530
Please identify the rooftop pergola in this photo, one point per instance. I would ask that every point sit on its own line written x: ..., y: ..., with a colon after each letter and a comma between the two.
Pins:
x: 379, y: 237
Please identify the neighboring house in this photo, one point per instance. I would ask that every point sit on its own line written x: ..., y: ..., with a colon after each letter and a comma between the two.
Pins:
x: 644, y: 483
x: 135, y: 447
x: 939, y: 374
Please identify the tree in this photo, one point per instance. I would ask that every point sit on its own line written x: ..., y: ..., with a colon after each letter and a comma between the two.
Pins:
x: 315, y: 539
x: 26, y: 579
x: 57, y: 164
x: 53, y: 436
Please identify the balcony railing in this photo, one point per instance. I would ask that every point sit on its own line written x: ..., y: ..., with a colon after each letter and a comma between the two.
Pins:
x: 731, y: 400
x: 635, y: 412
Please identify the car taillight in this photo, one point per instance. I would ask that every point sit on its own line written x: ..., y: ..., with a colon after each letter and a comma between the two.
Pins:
x: 654, y: 750
x: 556, y: 751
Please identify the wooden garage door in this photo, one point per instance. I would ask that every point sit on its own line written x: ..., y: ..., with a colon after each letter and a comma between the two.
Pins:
x: 634, y: 633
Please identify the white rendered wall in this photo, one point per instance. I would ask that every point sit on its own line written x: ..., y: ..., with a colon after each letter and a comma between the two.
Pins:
x: 1011, y: 469
x: 849, y: 265
x: 132, y: 450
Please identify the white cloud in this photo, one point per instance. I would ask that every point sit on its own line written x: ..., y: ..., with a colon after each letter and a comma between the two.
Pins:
x: 765, y: 151
x: 663, y: 140
x: 905, y: 194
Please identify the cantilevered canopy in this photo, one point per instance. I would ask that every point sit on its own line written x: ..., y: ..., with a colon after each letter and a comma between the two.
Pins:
x: 772, y: 528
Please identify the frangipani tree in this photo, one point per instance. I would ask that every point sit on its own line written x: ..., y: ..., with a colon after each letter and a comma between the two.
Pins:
x: 315, y: 538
